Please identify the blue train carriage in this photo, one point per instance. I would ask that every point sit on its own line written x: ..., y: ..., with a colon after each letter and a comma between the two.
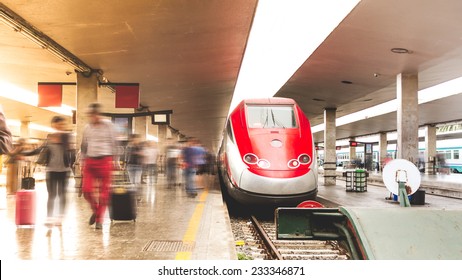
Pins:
x: 451, y: 154
x: 452, y: 158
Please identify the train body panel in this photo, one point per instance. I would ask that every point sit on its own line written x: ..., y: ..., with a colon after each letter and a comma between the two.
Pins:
x: 267, y: 154
x: 276, y: 186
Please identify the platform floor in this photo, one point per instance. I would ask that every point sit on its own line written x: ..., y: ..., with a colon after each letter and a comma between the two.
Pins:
x: 170, y: 225
x: 377, y: 195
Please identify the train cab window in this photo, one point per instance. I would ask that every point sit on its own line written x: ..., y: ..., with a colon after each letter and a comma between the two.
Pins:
x: 259, y: 116
x: 229, y: 131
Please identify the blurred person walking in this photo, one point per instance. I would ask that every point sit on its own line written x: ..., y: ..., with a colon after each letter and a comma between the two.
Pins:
x: 189, y: 155
x: 58, y: 156
x: 150, y: 158
x: 5, y: 134
x: 172, y: 154
x: 6, y: 145
x: 200, y: 161
x: 17, y: 166
x: 97, y: 150
x: 134, y: 162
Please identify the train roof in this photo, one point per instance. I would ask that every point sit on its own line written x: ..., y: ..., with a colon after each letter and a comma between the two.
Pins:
x: 272, y: 100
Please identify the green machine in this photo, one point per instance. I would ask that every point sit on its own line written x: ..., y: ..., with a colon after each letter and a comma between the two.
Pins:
x: 404, y: 233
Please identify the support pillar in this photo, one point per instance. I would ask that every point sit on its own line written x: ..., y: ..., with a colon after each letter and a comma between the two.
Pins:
x: 162, y: 134
x: 430, y: 149
x: 383, y: 144
x: 87, y: 92
x: 162, y: 144
x: 141, y: 127
x: 407, y: 117
x: 352, y: 152
x: 330, y: 155
x: 24, y: 130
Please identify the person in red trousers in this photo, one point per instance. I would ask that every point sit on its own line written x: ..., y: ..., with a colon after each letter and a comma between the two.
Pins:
x: 97, y: 150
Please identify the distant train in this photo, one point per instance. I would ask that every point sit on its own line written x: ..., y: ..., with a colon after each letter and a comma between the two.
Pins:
x: 451, y: 154
x: 267, y: 155
x: 448, y: 149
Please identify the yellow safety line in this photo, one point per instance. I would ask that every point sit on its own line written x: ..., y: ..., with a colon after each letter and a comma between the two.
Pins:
x: 191, y: 232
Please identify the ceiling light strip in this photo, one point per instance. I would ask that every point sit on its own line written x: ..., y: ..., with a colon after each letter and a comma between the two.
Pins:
x: 283, y: 36
x: 443, y: 90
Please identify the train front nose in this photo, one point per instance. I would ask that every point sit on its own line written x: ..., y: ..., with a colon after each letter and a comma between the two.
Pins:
x: 285, y: 183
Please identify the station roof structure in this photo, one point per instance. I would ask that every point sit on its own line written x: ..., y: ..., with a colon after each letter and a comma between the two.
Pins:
x: 187, y: 57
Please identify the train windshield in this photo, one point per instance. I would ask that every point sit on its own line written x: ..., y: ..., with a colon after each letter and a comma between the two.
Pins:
x: 263, y: 116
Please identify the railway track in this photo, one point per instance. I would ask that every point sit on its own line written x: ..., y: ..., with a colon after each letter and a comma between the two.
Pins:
x: 262, y: 244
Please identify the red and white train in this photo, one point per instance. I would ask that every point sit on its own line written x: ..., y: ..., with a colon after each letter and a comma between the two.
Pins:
x: 267, y: 156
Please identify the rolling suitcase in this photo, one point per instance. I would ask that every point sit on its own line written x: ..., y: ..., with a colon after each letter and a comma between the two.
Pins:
x: 122, y: 206
x: 25, y: 207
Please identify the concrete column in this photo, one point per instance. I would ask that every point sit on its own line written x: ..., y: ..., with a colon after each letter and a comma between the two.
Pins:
x: 430, y: 149
x: 407, y: 117
x: 87, y: 92
x: 330, y: 156
x: 152, y: 129
x: 161, y: 145
x: 141, y: 127
x: 170, y: 133
x: 162, y: 135
x: 352, y: 150
x: 316, y: 153
x: 382, y: 149
x: 24, y: 130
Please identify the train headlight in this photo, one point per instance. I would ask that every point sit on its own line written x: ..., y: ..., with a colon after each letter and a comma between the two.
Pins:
x: 304, y: 159
x: 250, y: 158
x: 293, y: 163
x: 253, y: 159
x: 263, y: 163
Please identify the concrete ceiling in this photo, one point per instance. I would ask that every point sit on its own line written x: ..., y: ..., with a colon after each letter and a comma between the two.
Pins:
x: 186, y: 55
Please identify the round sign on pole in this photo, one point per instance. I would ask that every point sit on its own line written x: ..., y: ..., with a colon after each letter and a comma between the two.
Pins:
x: 401, y: 170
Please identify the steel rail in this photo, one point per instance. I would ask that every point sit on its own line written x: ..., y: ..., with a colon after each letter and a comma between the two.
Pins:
x: 272, y: 250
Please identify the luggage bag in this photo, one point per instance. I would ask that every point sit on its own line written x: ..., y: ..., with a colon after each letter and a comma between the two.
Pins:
x: 122, y: 204
x: 27, y: 181
x: 25, y: 207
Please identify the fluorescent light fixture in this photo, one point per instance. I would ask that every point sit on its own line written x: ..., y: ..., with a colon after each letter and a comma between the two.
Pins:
x: 283, y: 35
x: 446, y: 89
x: 13, y: 92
